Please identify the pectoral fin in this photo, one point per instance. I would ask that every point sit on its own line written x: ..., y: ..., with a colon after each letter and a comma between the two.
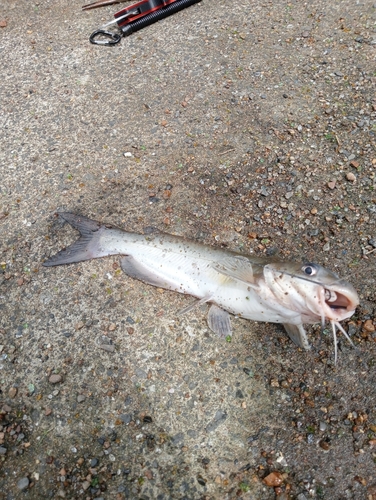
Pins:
x: 219, y: 321
x: 298, y: 335
x: 238, y: 268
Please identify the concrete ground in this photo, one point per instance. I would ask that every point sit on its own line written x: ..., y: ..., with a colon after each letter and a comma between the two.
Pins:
x: 245, y: 125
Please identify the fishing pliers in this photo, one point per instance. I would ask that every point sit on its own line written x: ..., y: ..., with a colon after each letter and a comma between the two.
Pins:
x: 134, y: 17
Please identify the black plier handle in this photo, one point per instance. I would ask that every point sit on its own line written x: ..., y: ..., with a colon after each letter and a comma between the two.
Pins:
x: 138, y: 16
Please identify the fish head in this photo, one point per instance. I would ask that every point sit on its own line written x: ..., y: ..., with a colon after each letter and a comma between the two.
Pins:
x: 311, y: 290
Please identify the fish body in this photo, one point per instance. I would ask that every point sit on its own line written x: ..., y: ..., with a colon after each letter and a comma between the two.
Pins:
x: 254, y: 288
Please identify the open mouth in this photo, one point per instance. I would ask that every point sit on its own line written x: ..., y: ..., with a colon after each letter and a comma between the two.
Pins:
x: 336, y: 300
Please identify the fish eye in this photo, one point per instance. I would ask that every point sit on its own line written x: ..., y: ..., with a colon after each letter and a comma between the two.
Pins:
x: 309, y: 269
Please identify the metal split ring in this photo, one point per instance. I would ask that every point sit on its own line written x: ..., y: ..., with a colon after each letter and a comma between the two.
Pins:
x: 111, y: 37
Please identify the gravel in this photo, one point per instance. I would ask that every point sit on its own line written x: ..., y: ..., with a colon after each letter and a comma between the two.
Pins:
x: 23, y: 483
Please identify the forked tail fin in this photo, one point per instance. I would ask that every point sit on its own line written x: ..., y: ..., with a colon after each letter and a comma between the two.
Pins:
x: 85, y: 248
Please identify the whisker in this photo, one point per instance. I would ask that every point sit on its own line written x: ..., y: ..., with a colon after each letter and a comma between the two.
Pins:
x: 303, y: 278
x: 321, y: 301
x: 335, y: 340
x: 339, y: 326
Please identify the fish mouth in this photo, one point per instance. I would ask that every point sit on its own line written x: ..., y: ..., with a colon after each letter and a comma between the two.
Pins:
x: 337, y: 300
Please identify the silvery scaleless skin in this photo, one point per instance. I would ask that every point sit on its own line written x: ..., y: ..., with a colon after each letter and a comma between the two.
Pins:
x: 253, y: 288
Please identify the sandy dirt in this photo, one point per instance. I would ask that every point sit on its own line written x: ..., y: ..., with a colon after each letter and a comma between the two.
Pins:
x: 245, y: 125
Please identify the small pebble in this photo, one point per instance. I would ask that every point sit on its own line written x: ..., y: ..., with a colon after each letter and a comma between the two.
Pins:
x: 273, y: 479
x: 80, y: 398
x: 140, y: 373
x: 3, y: 450
x: 350, y: 177
x: 23, y: 483
x: 368, y: 326
x: 361, y: 480
x: 126, y: 418
x: 281, y: 460
x: 108, y: 347
x: 332, y: 184
x: 12, y: 392
x: 55, y: 378
x: 324, y: 445
x: 201, y: 480
x: 323, y: 426
x: 85, y: 485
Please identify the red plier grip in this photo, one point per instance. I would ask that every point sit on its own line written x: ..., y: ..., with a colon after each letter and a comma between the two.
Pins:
x: 140, y: 9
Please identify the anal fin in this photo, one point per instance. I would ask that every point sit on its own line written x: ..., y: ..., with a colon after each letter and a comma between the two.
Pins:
x: 298, y: 335
x: 219, y: 321
x: 138, y: 271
